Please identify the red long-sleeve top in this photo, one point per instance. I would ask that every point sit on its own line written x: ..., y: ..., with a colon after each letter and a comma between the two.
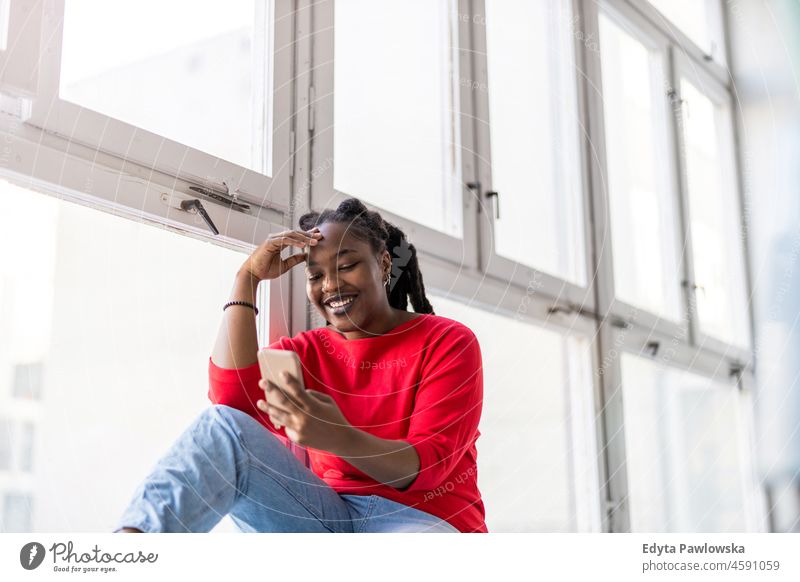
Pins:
x: 422, y: 382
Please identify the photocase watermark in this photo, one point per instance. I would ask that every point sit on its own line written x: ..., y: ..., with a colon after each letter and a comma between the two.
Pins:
x: 66, y: 559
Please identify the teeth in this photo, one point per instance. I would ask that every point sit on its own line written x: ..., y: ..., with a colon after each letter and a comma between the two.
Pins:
x: 338, y: 304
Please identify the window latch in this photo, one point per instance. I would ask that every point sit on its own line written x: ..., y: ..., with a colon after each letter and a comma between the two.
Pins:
x: 476, y: 187
x: 194, y: 206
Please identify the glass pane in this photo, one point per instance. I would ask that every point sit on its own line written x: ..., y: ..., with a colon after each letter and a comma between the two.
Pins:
x: 396, y: 111
x: 6, y: 443
x: 26, y: 444
x: 699, y: 20
x: 685, y: 452
x: 16, y: 513
x: 533, y: 116
x: 184, y: 69
x: 124, y: 315
x: 536, y: 455
x: 714, y: 217
x: 644, y: 223
x: 28, y: 381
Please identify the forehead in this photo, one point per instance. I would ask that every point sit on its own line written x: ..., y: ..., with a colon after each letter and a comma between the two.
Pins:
x: 336, y: 243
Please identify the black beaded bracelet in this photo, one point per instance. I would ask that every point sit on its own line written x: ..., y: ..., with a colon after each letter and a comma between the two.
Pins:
x: 245, y: 303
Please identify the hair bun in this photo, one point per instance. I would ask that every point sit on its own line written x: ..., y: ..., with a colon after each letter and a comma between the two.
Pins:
x: 352, y: 206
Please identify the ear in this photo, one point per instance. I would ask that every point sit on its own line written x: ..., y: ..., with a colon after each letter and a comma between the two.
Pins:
x: 386, y: 262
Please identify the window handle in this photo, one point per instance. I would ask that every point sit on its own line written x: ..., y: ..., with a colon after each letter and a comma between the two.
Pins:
x: 476, y: 187
x: 496, y: 196
x: 196, y: 207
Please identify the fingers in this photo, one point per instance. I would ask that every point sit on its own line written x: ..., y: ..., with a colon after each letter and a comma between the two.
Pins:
x: 277, y: 417
x: 292, y: 261
x: 275, y: 396
x: 296, y: 238
x: 295, y: 391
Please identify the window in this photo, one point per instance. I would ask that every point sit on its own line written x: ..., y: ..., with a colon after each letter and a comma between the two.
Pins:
x: 131, y: 313
x: 26, y: 445
x: 534, y: 122
x: 642, y: 196
x: 700, y: 20
x: 186, y: 70
x: 6, y: 443
x: 722, y: 305
x: 396, y: 109
x: 17, y: 510
x: 536, y: 456
x: 28, y: 381
x: 686, y: 450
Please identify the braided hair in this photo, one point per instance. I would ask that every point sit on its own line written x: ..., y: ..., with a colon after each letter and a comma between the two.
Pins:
x: 367, y: 225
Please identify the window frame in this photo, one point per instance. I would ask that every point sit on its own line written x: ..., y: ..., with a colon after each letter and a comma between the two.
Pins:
x: 95, y: 130
x: 718, y: 94
x: 563, y: 294
x: 110, y: 178
x: 459, y: 251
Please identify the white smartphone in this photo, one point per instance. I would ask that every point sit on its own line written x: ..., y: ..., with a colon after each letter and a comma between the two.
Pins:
x: 273, y: 362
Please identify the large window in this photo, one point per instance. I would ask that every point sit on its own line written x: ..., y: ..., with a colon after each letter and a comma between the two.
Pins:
x: 720, y: 285
x: 537, y: 469
x: 396, y: 109
x: 641, y: 185
x: 570, y: 161
x: 183, y: 69
x: 534, y: 127
x: 689, y: 467
x: 123, y: 315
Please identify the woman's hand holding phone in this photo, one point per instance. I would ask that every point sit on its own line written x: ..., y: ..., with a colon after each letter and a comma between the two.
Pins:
x: 311, y: 418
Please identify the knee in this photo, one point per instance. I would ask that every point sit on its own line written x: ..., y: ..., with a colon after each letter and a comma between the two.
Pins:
x: 237, y: 421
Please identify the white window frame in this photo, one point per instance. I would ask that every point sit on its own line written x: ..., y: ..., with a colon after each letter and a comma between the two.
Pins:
x: 150, y: 150
x: 716, y: 65
x: 459, y: 251
x: 564, y: 295
x: 718, y: 94
x: 641, y: 30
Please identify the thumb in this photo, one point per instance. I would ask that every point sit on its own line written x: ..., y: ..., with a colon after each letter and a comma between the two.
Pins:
x: 292, y: 261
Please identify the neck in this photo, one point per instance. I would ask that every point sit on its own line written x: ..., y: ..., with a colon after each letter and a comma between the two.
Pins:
x: 377, y: 325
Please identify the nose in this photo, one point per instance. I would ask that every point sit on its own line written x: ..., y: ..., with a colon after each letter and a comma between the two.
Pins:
x: 327, y: 285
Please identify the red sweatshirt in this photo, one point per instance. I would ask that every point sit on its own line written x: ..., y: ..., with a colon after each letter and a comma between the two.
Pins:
x: 421, y: 382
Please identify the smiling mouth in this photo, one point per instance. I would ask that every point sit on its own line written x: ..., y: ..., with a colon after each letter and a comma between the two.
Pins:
x: 341, y: 307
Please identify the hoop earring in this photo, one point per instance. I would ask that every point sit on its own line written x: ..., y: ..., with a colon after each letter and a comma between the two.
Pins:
x: 388, y: 279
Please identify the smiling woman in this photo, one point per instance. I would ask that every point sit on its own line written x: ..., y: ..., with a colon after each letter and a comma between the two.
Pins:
x: 392, y: 448
x: 353, y: 279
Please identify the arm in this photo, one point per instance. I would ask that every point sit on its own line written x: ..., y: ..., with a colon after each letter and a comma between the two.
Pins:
x: 395, y: 463
x: 237, y: 340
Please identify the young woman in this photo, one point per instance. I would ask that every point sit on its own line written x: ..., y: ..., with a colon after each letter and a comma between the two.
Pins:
x: 389, y: 414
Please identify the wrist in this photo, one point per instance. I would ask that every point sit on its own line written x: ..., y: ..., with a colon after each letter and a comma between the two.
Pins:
x: 349, y: 442
x: 247, y: 276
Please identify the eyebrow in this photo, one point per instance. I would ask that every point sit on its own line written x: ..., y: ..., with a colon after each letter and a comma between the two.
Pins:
x: 339, y: 254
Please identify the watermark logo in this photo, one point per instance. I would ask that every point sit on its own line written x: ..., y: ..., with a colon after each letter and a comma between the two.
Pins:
x: 31, y: 555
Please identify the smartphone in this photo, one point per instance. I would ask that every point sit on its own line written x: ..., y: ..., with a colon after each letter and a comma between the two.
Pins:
x: 273, y: 362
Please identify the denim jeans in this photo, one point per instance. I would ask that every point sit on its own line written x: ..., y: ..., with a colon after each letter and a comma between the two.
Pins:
x: 226, y: 462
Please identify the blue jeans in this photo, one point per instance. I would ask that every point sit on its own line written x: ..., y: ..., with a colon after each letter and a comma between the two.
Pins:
x: 226, y: 462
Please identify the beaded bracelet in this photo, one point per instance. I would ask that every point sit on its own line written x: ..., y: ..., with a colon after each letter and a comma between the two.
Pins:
x: 245, y: 303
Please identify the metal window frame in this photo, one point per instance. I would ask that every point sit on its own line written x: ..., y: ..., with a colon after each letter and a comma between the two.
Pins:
x: 662, y: 327
x: 532, y: 307
x: 564, y: 294
x: 719, y: 95
x: 459, y: 251
x: 104, y: 133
